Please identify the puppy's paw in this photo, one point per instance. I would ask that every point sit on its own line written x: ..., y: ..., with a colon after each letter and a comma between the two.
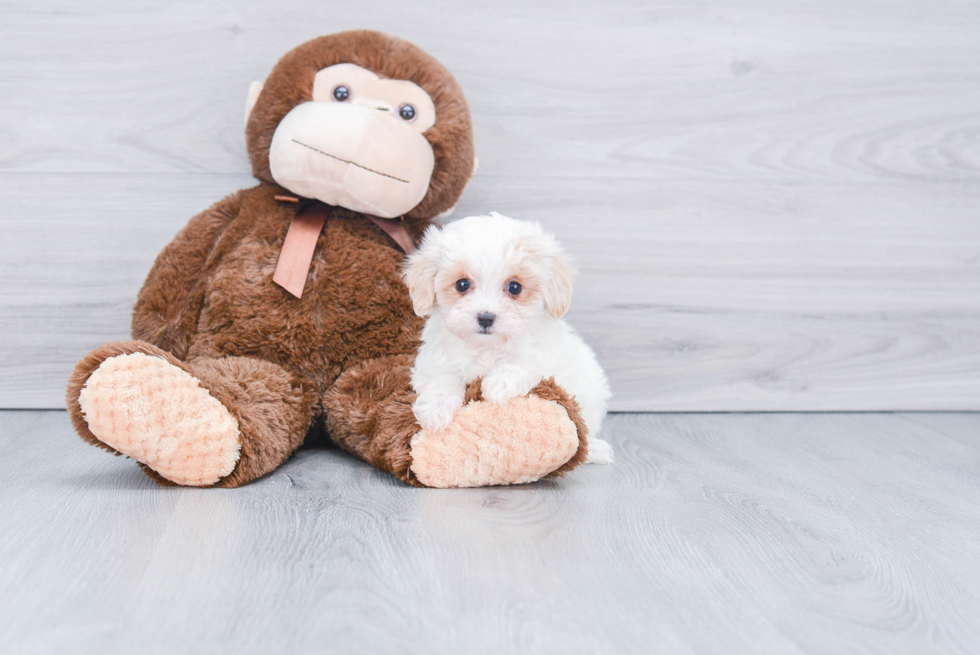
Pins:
x: 435, y: 413
x: 600, y: 452
x: 438, y: 403
x: 506, y: 382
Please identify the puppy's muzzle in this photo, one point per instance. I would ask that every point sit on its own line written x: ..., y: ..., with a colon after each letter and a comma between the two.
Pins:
x: 485, y: 320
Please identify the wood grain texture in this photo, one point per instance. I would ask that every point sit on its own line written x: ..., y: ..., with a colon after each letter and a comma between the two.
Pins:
x: 778, y: 533
x: 774, y: 206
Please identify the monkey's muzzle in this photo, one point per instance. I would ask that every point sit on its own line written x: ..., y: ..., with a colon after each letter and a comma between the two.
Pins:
x: 353, y: 156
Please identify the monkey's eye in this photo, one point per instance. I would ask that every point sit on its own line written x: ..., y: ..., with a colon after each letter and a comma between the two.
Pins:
x: 341, y: 93
x: 514, y: 288
x: 462, y: 285
x: 407, y: 112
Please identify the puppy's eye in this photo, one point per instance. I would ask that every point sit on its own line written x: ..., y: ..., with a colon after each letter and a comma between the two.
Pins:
x: 341, y: 93
x: 514, y: 288
x: 462, y: 285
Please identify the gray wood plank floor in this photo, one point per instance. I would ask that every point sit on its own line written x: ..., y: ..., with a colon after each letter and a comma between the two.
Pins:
x: 773, y: 205
x: 718, y: 533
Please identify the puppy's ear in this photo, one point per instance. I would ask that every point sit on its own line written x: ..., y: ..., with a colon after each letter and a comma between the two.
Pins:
x: 420, y: 272
x: 557, y: 293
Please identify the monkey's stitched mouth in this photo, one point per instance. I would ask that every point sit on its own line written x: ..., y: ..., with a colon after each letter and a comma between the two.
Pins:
x: 352, y: 163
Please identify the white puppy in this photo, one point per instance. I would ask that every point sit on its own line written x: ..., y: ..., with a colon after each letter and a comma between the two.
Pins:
x: 494, y: 290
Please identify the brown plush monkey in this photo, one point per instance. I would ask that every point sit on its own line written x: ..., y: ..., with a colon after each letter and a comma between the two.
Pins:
x: 281, y: 309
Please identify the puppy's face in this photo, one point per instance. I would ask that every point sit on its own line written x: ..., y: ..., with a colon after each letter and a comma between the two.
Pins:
x: 489, y: 278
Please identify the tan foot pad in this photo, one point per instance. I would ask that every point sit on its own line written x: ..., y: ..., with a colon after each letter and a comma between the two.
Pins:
x: 519, y: 441
x: 160, y: 415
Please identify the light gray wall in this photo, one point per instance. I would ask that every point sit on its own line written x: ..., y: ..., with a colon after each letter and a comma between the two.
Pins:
x: 773, y: 205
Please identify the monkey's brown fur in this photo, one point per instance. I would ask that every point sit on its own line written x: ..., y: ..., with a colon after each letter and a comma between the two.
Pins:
x: 344, y: 350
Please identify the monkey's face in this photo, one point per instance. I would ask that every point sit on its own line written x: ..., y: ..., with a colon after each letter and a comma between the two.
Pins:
x: 365, y: 121
x: 358, y: 143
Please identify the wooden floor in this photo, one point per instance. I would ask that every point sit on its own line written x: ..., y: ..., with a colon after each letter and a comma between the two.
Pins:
x: 714, y: 533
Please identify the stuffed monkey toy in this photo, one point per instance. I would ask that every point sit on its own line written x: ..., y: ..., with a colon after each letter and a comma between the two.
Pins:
x: 281, y: 309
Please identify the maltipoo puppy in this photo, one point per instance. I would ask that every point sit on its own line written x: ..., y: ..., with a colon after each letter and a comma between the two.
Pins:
x: 494, y: 290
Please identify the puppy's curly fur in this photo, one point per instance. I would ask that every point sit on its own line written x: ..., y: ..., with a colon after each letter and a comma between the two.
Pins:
x: 494, y: 290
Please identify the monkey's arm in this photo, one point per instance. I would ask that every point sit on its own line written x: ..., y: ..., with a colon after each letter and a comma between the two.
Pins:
x: 168, y: 305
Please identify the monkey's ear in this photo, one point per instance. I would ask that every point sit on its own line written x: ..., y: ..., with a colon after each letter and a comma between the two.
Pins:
x: 420, y: 273
x: 557, y: 293
x: 449, y: 212
x: 254, y: 89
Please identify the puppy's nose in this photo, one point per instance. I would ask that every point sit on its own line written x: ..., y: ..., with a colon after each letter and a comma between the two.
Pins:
x: 485, y: 319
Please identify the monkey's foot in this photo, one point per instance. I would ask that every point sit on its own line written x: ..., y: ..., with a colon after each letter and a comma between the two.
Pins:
x: 369, y: 413
x: 519, y: 441
x: 159, y: 414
